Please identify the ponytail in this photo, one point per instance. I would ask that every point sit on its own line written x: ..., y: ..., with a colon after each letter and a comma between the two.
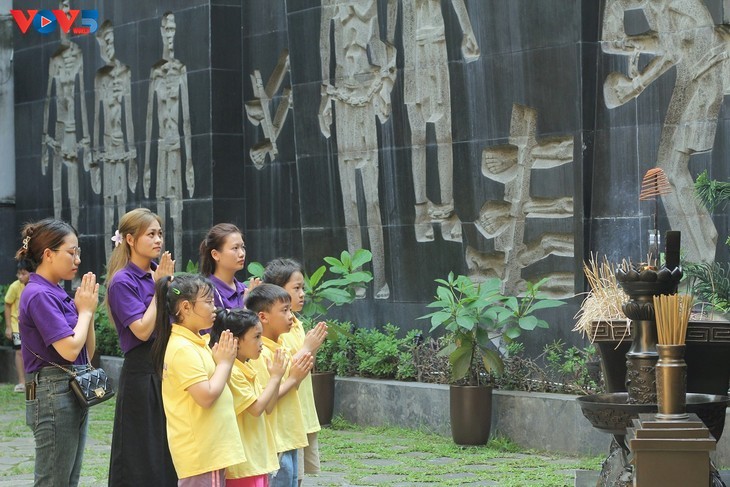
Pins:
x: 163, y: 323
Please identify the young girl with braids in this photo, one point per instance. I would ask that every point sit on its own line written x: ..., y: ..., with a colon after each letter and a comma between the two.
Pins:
x: 139, y: 454
x: 288, y: 274
x: 56, y: 330
x: 198, y: 403
x: 222, y: 254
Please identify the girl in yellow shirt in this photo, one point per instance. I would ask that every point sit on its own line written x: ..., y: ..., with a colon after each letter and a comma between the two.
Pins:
x: 250, y: 398
x: 197, y: 401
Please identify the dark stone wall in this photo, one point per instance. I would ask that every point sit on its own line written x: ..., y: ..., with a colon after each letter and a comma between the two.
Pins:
x: 545, y: 55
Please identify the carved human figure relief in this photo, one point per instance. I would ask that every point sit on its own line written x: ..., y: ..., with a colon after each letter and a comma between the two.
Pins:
x: 683, y: 36
x: 64, y: 142
x: 169, y: 85
x: 363, y: 80
x: 114, y: 149
x: 505, y: 220
x: 259, y: 109
x: 427, y: 93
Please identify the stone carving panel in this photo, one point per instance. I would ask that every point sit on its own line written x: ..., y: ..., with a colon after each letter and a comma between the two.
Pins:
x: 259, y: 109
x: 427, y: 94
x: 169, y: 85
x: 114, y: 148
x: 63, y: 141
x: 682, y: 35
x: 359, y: 92
x: 504, y: 221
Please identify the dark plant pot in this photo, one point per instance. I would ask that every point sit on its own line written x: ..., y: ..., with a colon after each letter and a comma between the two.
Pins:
x: 323, y: 387
x: 471, y: 414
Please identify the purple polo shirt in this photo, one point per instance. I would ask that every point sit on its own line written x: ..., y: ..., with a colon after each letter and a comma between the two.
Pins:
x: 129, y: 295
x: 225, y: 297
x: 47, y: 314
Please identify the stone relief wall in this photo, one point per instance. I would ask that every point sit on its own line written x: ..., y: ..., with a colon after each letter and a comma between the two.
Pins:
x: 427, y: 95
x: 409, y: 129
x: 169, y: 86
x: 682, y: 36
x: 505, y: 220
x: 259, y: 109
x: 64, y: 141
x: 363, y: 79
x: 114, y: 150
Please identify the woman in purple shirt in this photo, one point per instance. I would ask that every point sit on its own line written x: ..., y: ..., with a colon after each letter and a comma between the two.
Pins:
x: 140, y: 454
x: 56, y: 330
x: 222, y: 254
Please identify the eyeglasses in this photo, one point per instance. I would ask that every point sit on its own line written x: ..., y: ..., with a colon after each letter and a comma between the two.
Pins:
x: 209, y: 302
x: 74, y: 252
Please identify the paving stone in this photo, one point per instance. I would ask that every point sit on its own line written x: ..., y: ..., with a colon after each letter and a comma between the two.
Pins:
x: 381, y: 462
x: 456, y: 475
x: 478, y: 468
x: 442, y: 461
x: 382, y: 477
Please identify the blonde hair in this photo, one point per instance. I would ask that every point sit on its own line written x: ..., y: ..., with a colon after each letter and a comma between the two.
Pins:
x: 134, y: 223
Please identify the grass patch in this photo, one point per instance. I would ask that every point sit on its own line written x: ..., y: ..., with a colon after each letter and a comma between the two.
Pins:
x: 361, y: 455
x: 365, y: 454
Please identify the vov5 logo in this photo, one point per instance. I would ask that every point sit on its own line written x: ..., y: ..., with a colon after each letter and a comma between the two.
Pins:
x: 46, y: 21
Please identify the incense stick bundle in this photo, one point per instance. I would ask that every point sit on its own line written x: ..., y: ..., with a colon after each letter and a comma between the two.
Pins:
x: 672, y: 315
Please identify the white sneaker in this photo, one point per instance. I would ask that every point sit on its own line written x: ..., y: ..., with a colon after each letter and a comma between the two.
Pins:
x: 19, y: 388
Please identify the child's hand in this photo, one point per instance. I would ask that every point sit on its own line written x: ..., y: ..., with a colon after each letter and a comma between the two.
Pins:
x: 87, y: 294
x: 277, y: 367
x: 315, y: 337
x: 8, y: 332
x: 165, y: 268
x: 300, y: 366
x: 252, y: 283
x: 224, y: 352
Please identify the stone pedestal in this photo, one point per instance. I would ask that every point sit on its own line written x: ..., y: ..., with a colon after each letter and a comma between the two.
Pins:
x: 670, y: 453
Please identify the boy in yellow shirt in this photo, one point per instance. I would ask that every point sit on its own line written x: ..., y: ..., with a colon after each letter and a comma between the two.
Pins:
x: 12, y: 332
x: 272, y: 304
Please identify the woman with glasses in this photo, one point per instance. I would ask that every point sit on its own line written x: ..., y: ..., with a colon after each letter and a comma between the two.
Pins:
x: 140, y: 454
x: 58, y: 334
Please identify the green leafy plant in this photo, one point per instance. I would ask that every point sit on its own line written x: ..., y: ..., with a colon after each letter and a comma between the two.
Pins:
x: 710, y: 282
x: 381, y: 354
x: 191, y: 267
x: 479, y: 320
x: 571, y: 367
x: 712, y: 193
x: 322, y: 293
x: 107, y: 339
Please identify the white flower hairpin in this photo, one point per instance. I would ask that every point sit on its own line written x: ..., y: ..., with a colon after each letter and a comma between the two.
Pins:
x: 117, y: 238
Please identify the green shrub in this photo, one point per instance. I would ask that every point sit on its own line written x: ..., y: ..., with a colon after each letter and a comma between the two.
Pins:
x: 107, y: 339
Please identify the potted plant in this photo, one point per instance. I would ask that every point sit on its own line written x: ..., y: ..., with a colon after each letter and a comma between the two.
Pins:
x: 479, y: 322
x: 321, y: 295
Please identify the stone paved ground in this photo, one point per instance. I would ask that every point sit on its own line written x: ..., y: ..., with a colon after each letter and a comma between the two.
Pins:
x: 350, y: 456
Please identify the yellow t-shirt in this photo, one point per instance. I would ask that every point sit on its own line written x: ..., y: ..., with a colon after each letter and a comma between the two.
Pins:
x: 256, y: 433
x: 201, y: 439
x: 286, y: 420
x: 12, y: 297
x: 294, y: 340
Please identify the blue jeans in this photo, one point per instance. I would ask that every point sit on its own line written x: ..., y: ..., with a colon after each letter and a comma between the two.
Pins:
x: 286, y: 476
x: 59, y: 426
